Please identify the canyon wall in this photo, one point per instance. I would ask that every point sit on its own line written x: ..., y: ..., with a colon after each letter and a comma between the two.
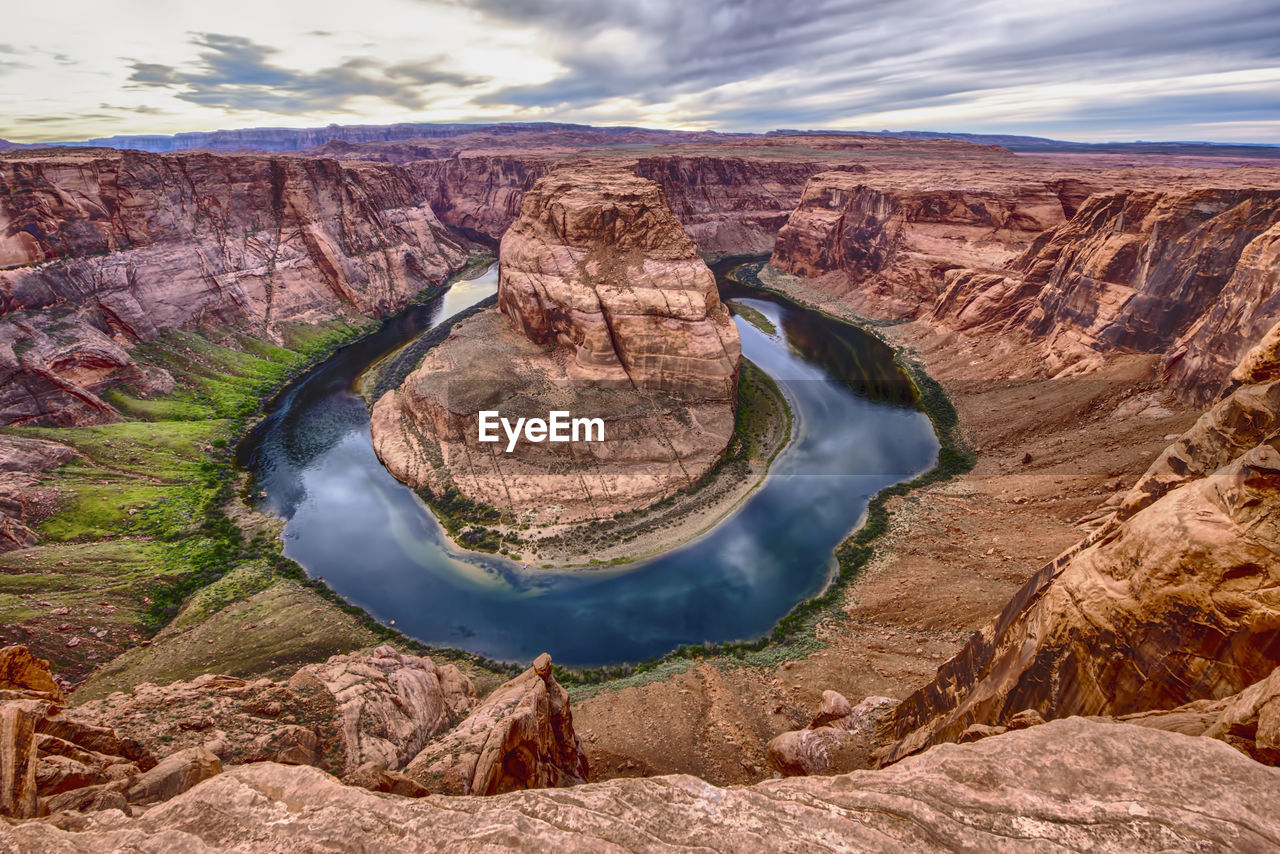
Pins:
x: 604, y: 310
x: 885, y: 243
x: 101, y: 250
x: 1189, y: 275
x: 1170, y: 601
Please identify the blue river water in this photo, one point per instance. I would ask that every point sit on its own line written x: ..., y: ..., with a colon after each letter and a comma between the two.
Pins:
x: 374, y: 541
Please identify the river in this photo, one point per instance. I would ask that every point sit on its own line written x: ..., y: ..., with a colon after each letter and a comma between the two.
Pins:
x: 374, y: 541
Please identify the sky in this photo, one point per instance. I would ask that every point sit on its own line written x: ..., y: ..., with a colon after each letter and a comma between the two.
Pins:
x: 1069, y: 69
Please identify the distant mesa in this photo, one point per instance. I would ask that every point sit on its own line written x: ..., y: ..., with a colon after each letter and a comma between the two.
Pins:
x: 605, y: 310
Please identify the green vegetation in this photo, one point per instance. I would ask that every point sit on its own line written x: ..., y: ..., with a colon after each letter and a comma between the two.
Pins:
x: 144, y: 533
x: 755, y: 318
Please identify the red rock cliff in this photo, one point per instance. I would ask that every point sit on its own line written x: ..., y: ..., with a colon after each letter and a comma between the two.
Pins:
x: 114, y: 247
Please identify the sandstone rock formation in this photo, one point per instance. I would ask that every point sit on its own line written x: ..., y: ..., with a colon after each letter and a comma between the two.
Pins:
x: 389, y: 704
x: 888, y: 240
x: 1070, y: 785
x: 838, y: 740
x: 1167, y: 603
x: 1189, y: 274
x: 607, y: 312
x: 521, y: 737
x: 380, y: 707
x: 119, y: 246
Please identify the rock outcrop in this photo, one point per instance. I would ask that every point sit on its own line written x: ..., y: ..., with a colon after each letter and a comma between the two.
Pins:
x: 838, y: 740
x: 606, y: 312
x: 380, y: 707
x: 22, y: 501
x: 1168, y: 602
x: 521, y: 737
x: 113, y: 247
x: 1070, y: 785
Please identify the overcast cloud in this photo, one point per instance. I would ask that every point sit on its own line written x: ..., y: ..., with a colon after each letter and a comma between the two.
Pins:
x: 1176, y: 69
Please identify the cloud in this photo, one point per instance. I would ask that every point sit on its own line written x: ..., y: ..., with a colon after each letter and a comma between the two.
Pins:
x: 236, y: 73
x: 756, y: 64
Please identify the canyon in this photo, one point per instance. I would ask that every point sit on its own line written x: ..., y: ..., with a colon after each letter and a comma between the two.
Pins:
x: 1106, y: 328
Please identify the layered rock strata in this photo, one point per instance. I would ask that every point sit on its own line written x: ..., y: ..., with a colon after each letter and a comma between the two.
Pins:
x: 1170, y: 601
x: 521, y: 737
x: 1190, y: 275
x: 111, y: 248
x: 888, y: 241
x: 604, y: 311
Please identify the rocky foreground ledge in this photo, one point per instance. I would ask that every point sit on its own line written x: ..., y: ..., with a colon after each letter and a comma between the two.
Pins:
x: 605, y: 311
x: 1070, y: 785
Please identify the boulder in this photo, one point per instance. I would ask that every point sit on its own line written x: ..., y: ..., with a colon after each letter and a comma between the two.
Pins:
x: 377, y: 779
x: 838, y: 740
x: 173, y: 775
x: 22, y: 671
x: 389, y: 704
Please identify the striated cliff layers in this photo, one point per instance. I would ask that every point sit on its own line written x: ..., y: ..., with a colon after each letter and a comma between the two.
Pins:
x: 888, y: 241
x: 1189, y: 274
x: 100, y: 250
x: 605, y: 311
x: 1172, y: 600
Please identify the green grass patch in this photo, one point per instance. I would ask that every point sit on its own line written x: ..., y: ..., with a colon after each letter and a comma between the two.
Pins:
x: 755, y: 318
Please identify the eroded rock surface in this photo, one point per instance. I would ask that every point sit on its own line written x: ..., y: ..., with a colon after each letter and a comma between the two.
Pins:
x: 838, y: 740
x: 380, y: 707
x: 114, y: 247
x: 606, y: 312
x: 1070, y: 785
x: 1170, y: 601
x: 521, y: 737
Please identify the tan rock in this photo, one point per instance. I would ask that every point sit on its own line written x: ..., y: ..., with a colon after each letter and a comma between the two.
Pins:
x: 390, y: 704
x: 606, y: 312
x: 173, y: 775
x: 288, y: 745
x: 520, y: 737
x: 1070, y: 785
x: 1167, y: 603
x: 839, y: 739
x: 57, y: 774
x: 18, y: 760
x: 107, y: 796
x: 375, y: 779
x: 21, y: 670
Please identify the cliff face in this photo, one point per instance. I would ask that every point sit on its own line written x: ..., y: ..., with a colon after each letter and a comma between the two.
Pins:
x: 479, y: 193
x: 887, y: 243
x: 731, y: 205
x: 114, y: 247
x: 1170, y: 601
x: 606, y: 312
x: 1190, y: 273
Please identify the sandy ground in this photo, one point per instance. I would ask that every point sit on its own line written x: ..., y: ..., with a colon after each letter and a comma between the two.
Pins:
x: 1049, y: 453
